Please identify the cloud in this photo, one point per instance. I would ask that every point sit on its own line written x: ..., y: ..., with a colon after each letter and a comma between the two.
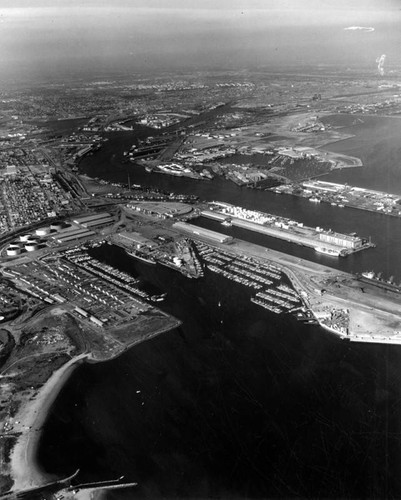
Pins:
x: 359, y: 28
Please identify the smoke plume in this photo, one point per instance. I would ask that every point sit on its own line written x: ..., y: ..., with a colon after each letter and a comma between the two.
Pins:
x: 380, y: 64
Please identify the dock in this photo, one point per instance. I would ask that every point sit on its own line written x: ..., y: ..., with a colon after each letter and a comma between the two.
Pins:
x: 321, y: 240
x: 343, y: 195
x: 333, y: 299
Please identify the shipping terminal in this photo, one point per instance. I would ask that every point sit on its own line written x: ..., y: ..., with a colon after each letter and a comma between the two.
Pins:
x: 339, y: 302
x: 321, y: 240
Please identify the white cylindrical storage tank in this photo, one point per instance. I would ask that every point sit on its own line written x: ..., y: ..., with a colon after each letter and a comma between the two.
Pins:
x: 13, y: 250
x: 56, y: 226
x: 31, y: 245
x: 42, y: 231
x: 25, y: 237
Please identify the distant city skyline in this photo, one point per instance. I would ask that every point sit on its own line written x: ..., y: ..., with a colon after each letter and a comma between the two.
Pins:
x: 52, y: 37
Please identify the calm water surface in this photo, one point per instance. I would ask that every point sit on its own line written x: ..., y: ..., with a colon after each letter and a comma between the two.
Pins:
x: 239, y: 402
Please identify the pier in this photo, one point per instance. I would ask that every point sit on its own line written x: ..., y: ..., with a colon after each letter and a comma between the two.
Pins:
x: 342, y: 195
x: 333, y: 299
x: 322, y: 240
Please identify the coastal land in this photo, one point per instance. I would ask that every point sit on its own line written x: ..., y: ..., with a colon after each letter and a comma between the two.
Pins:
x: 51, y: 345
x: 63, y: 306
x: 52, y: 340
x: 374, y: 314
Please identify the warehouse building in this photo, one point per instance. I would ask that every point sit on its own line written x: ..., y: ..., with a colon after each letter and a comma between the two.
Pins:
x: 90, y: 218
x: 75, y: 234
x: 201, y: 232
x: 104, y: 221
x: 137, y: 240
x: 342, y: 240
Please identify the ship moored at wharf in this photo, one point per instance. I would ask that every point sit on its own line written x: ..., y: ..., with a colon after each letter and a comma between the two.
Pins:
x: 331, y: 251
x: 141, y: 256
x: 333, y: 299
x: 321, y: 240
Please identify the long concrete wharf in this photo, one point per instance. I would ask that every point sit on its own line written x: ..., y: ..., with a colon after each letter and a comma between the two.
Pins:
x: 324, y: 241
x: 374, y: 313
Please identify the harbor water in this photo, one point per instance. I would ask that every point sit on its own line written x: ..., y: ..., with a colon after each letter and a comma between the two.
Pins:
x: 239, y: 402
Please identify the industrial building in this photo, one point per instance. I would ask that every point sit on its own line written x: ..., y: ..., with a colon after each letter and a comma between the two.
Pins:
x: 214, y: 215
x: 342, y: 240
x: 98, y: 222
x: 94, y: 220
x: 330, y: 187
x: 163, y: 210
x: 73, y: 234
x: 192, y: 230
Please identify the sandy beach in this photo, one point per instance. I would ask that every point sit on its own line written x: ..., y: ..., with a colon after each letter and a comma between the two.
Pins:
x: 95, y: 493
x: 25, y: 470
x: 90, y: 494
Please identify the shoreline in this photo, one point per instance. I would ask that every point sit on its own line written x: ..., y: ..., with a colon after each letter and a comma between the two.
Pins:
x: 25, y: 469
x: 373, y: 317
x: 26, y: 472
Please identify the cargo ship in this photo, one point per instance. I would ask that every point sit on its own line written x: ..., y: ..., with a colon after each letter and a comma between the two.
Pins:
x: 141, y: 256
x: 369, y: 277
x: 330, y: 251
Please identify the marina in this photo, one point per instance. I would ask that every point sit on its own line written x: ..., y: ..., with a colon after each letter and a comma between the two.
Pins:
x: 263, y: 278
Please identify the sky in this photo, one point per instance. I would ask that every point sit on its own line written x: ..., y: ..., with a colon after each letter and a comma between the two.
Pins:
x: 51, y: 37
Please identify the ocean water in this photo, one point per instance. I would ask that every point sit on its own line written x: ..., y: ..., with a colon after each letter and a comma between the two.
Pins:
x: 378, y: 145
x: 239, y: 402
